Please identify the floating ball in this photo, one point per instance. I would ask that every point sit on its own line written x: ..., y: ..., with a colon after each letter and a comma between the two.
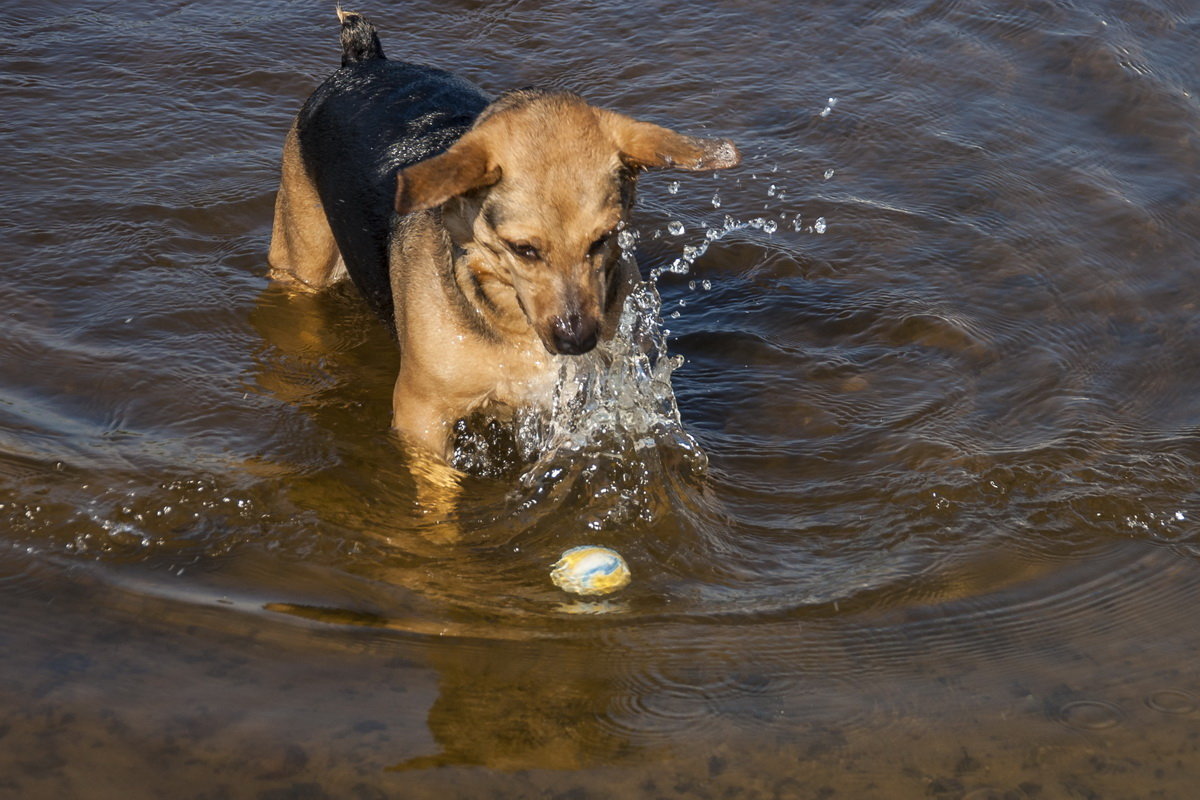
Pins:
x: 590, y: 570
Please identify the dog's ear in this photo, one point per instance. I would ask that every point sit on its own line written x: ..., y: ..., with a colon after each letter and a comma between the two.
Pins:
x: 645, y: 145
x: 431, y: 182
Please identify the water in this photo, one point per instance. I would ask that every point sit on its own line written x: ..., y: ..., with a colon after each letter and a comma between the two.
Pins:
x: 904, y: 459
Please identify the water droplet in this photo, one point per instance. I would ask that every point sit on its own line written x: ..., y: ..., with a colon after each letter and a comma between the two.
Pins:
x: 770, y: 226
x: 819, y: 225
x: 706, y: 284
x: 627, y: 239
x: 692, y: 285
x: 757, y: 223
x: 796, y: 223
x: 771, y: 191
x: 828, y: 174
x: 673, y: 187
x: 829, y: 104
x: 675, y: 227
x: 716, y: 199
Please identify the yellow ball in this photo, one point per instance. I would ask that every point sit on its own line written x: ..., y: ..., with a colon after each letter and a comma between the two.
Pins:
x: 590, y: 570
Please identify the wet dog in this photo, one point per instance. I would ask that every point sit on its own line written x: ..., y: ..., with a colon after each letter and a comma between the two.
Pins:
x: 484, y: 231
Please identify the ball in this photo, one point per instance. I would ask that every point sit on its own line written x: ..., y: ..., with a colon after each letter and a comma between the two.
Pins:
x: 590, y: 570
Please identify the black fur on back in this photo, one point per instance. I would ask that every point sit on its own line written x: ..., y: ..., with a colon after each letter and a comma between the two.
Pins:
x: 369, y: 119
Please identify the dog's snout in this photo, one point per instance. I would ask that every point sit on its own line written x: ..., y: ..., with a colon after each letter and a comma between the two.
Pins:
x: 573, y: 335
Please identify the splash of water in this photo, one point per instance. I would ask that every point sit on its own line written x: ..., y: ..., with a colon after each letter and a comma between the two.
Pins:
x: 612, y: 441
x: 612, y: 438
x: 616, y: 403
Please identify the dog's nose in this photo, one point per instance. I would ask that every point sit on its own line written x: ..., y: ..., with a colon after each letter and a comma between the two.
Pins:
x: 574, y: 335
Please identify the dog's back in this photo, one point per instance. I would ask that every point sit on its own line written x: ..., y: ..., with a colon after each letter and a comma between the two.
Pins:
x: 368, y: 120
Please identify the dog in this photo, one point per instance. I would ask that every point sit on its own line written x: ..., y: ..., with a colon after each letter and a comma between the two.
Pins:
x: 483, y: 231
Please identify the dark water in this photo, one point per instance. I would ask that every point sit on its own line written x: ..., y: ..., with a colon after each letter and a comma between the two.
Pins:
x: 942, y: 356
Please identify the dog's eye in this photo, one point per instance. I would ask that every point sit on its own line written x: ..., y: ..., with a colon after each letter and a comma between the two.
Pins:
x: 599, y: 244
x: 524, y: 250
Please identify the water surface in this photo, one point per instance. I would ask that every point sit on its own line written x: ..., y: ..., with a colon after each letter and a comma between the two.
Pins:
x: 925, y: 524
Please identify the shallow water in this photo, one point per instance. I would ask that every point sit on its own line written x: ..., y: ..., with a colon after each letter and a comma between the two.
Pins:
x: 925, y: 524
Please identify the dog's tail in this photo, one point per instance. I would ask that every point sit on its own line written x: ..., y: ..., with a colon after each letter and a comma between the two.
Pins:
x: 360, y: 42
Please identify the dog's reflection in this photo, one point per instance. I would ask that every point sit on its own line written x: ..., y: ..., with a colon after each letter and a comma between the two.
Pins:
x: 508, y: 704
x: 511, y: 707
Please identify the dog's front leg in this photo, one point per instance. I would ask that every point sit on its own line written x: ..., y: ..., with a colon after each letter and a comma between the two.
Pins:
x: 423, y: 424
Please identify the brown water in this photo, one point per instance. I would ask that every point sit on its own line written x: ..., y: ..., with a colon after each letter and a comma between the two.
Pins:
x: 926, y: 525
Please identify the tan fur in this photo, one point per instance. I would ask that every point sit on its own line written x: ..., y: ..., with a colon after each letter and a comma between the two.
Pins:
x: 303, y: 253
x: 504, y: 253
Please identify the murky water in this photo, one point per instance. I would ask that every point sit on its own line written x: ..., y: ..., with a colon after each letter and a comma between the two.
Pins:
x: 916, y: 516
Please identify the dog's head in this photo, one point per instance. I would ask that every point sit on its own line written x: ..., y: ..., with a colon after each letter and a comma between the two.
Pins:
x: 537, y: 191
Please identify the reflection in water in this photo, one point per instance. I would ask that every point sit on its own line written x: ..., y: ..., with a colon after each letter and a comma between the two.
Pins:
x: 518, y: 712
x: 678, y: 703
